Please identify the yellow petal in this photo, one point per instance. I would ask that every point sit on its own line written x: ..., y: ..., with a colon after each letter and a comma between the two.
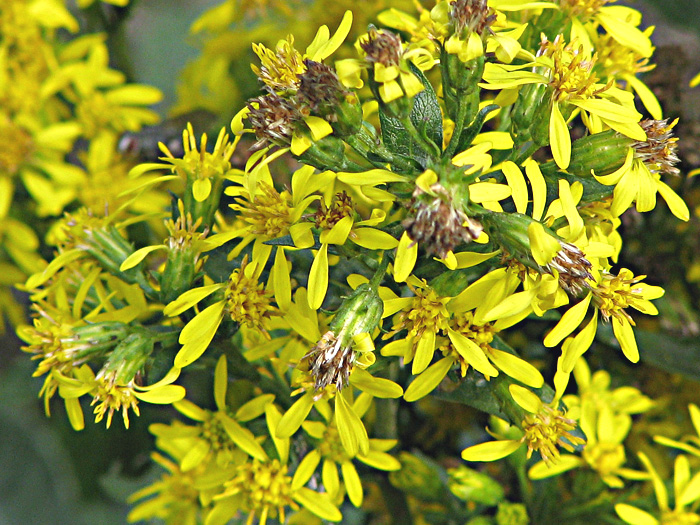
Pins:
x: 139, y: 255
x: 318, y: 279
x: 625, y: 336
x: 243, y: 438
x: 201, y: 189
x: 376, y: 386
x: 543, y: 245
x: 189, y: 299
x: 560, y: 139
x: 428, y: 380
x: 571, y: 319
x: 330, y: 478
x: 295, y: 416
x: 353, y: 434
x: 406, y: 255
x: 566, y: 462
x: 634, y: 516
x: 491, y: 451
x: 472, y: 353
x: 516, y: 181
x: 306, y: 469
x: 352, y: 483
x: 539, y: 188
x: 254, y: 408
x: 318, y: 503
x: 517, y: 368
x: 424, y: 352
x: 527, y: 399
x: 373, y: 239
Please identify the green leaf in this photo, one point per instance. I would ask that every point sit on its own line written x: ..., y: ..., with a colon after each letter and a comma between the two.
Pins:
x: 678, y: 355
x: 425, y: 115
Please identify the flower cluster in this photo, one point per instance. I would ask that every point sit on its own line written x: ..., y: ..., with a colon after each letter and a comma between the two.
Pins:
x: 411, y: 225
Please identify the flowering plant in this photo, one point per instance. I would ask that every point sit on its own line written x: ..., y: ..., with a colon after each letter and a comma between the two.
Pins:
x: 435, y: 220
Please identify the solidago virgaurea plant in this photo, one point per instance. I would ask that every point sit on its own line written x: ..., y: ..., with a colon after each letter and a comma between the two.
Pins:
x: 399, y: 240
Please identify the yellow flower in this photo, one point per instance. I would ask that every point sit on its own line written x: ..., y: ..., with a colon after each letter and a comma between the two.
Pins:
x: 203, y: 171
x: 279, y: 69
x: 618, y: 21
x: 102, y: 98
x: 109, y: 395
x: 245, y: 301
x: 567, y: 70
x: 610, y: 296
x: 265, y: 488
x: 639, y: 178
x: 330, y: 449
x: 606, y: 422
x: 175, y: 497
x: 686, y: 488
x: 544, y: 429
x: 218, y: 437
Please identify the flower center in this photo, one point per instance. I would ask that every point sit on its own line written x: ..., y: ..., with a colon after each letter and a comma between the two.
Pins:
x: 342, y: 206
x: 583, y: 9
x: 605, y: 458
x: 269, y: 214
x: 427, y: 313
x: 264, y: 487
x: 247, y: 301
x: 615, y: 293
x: 331, y: 447
x: 571, y: 76
x: 548, y: 429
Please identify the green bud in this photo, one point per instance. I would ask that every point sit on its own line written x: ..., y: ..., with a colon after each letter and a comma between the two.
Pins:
x: 359, y: 313
x: 179, y: 272
x: 349, y: 114
x: 530, y: 120
x: 512, y: 514
x: 601, y: 153
x: 418, y: 477
x: 129, y: 356
x: 470, y: 485
x: 99, y: 336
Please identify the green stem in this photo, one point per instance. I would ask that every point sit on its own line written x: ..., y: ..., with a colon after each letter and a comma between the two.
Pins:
x: 380, y: 272
x: 462, y: 109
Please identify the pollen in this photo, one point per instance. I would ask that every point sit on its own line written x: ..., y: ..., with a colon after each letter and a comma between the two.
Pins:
x: 582, y: 9
x: 265, y: 489
x: 247, y: 301
x: 614, y: 293
x: 571, y: 75
x: 269, y: 214
x: 547, y: 430
x: 279, y: 69
x: 427, y: 313
x: 112, y: 397
x: 328, y: 216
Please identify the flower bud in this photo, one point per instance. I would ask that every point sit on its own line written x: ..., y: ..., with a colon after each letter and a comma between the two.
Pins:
x: 128, y: 357
x: 332, y: 358
x: 470, y: 485
x: 418, y: 477
x: 512, y: 514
